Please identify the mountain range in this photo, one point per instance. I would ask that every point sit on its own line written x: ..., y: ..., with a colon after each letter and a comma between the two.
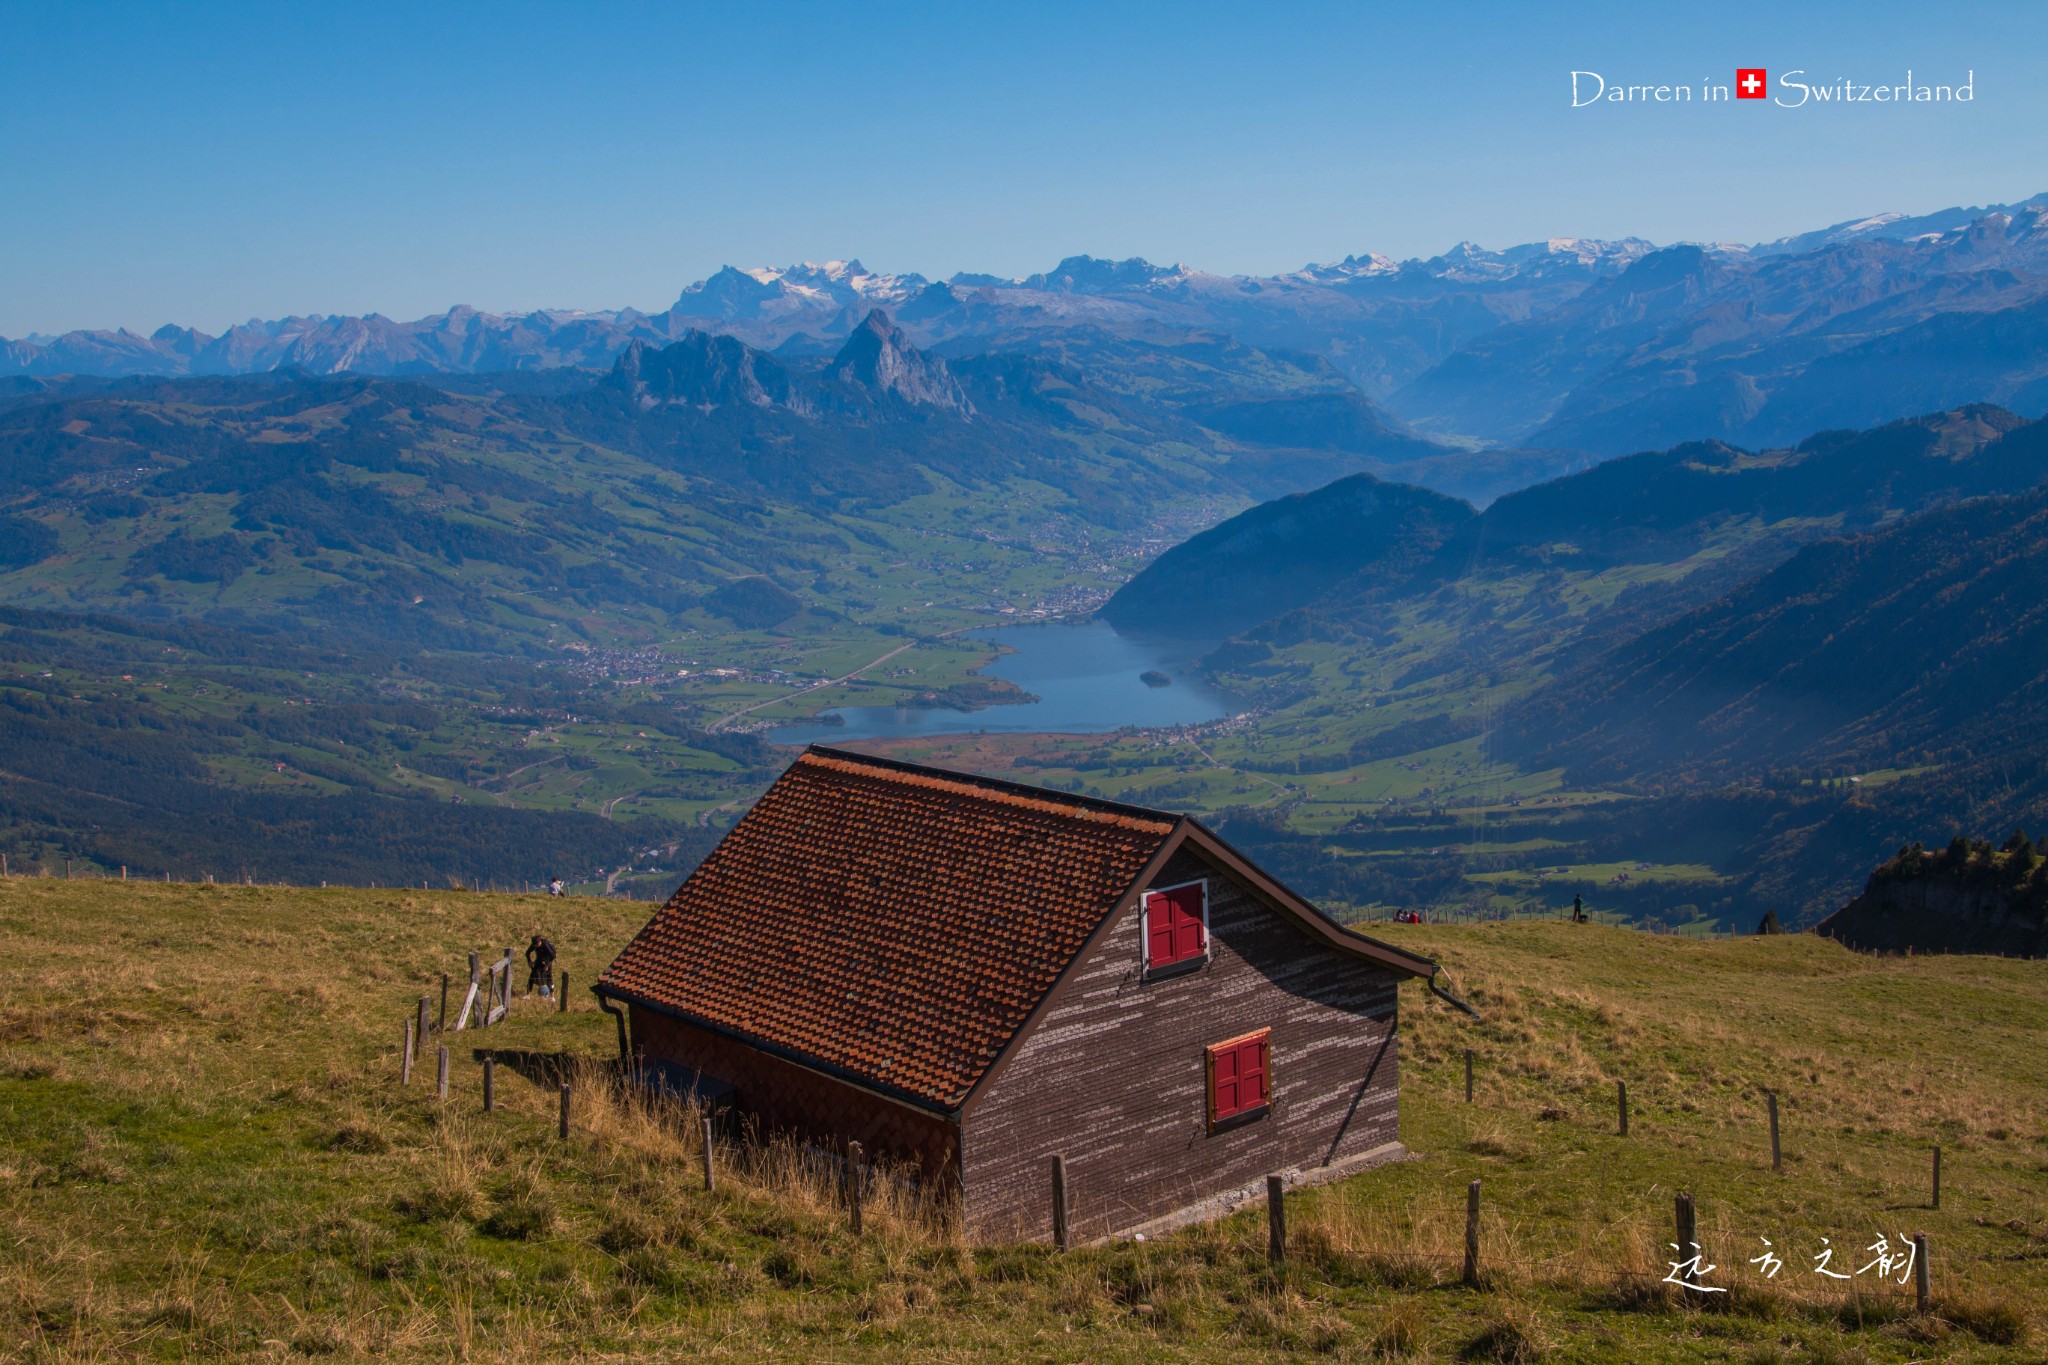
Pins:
x: 1604, y: 347
x: 384, y: 508
x: 1695, y: 531
x: 1349, y: 547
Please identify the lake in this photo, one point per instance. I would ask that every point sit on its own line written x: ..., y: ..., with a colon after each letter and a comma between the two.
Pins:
x: 1084, y: 673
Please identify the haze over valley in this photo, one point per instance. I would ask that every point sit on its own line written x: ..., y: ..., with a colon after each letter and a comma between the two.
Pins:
x: 1691, y: 580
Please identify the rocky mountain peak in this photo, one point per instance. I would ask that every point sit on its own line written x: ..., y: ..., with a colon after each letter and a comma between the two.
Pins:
x: 1095, y: 275
x: 879, y: 358
x: 702, y: 371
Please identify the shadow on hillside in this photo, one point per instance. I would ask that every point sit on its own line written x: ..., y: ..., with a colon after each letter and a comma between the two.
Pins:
x: 548, y: 1069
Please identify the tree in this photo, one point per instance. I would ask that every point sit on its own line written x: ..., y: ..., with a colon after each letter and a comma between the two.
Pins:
x: 1769, y: 924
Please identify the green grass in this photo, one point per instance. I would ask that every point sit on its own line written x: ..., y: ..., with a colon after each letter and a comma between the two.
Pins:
x: 1598, y: 872
x: 205, y: 1154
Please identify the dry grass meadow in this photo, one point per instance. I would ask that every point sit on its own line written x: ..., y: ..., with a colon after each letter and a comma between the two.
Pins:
x: 205, y: 1154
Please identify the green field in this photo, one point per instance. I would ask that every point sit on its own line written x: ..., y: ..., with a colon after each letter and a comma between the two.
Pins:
x: 461, y: 628
x: 207, y: 1155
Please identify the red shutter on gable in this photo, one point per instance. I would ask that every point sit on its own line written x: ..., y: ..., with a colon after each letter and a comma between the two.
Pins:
x: 1173, y: 925
x: 1238, y: 1076
x: 1158, y: 930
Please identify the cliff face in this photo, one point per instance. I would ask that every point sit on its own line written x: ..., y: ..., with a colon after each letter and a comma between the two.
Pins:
x: 1945, y: 904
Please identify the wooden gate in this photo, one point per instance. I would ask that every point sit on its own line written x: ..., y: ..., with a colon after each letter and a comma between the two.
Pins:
x: 490, y: 992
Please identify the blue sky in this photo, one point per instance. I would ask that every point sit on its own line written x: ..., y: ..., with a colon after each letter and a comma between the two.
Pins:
x: 208, y: 163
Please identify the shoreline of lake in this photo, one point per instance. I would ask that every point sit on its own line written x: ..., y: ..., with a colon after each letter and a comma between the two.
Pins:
x: 1085, y: 677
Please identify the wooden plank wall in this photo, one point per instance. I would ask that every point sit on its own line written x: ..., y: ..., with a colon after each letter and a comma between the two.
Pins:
x: 782, y: 1097
x: 1113, y: 1078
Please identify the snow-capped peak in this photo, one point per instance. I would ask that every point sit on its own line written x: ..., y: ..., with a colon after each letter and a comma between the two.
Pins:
x: 1350, y: 268
x: 846, y: 283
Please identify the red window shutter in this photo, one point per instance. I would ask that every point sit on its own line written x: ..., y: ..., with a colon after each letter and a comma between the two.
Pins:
x: 1174, y: 931
x: 1251, y: 1071
x: 1226, y: 1101
x: 1158, y: 930
x: 1187, y: 921
x: 1238, y: 1076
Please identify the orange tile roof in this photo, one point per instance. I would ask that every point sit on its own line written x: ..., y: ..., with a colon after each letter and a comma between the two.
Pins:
x: 893, y: 923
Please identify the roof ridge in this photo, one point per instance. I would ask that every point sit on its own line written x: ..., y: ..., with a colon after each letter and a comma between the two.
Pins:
x: 1022, y: 794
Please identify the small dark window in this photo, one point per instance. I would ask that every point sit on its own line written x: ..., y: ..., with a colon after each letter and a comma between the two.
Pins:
x: 1238, y: 1077
x: 1176, y: 924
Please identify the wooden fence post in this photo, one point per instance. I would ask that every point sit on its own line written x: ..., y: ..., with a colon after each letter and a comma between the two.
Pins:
x: 1777, y: 1156
x: 405, y: 1060
x: 562, y: 999
x: 1621, y: 1099
x: 856, y: 1182
x: 1276, y: 1219
x: 1468, y: 1075
x: 565, y: 1112
x: 1937, y: 1177
x: 508, y: 979
x: 1922, y: 1286
x: 1472, y: 1235
x: 441, y: 1025
x: 441, y: 1074
x: 474, y: 966
x: 423, y: 1021
x: 1688, y: 1235
x: 710, y: 1175
x: 490, y: 1083
x: 1061, y: 1237
x: 124, y: 872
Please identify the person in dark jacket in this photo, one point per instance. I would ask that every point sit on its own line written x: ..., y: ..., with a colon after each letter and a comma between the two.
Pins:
x: 540, y: 966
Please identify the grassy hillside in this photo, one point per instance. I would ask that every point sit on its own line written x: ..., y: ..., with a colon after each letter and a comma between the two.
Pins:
x: 206, y: 1154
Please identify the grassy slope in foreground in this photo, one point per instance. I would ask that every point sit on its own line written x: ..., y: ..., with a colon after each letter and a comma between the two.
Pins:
x: 205, y: 1154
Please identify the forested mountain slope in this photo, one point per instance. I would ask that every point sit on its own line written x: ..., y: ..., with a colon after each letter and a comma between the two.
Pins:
x: 1289, y: 551
x: 1341, y: 554
x: 1915, y: 644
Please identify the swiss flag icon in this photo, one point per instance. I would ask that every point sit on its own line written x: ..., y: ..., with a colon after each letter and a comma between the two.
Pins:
x: 1751, y: 83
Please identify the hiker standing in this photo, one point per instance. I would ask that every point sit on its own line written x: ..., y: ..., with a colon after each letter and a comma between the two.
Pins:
x: 1578, y: 909
x: 554, y: 886
x: 540, y: 966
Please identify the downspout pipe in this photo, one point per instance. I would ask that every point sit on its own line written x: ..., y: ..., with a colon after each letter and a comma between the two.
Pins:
x: 605, y: 1003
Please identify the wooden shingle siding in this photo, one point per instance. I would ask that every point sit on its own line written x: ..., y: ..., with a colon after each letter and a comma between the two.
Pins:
x: 774, y: 1096
x: 1113, y: 1076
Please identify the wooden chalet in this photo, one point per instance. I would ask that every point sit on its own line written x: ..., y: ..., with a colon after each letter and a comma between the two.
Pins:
x: 975, y: 976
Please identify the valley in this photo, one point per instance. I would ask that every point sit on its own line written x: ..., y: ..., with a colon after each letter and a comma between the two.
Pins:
x: 404, y: 612
x: 1410, y: 674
